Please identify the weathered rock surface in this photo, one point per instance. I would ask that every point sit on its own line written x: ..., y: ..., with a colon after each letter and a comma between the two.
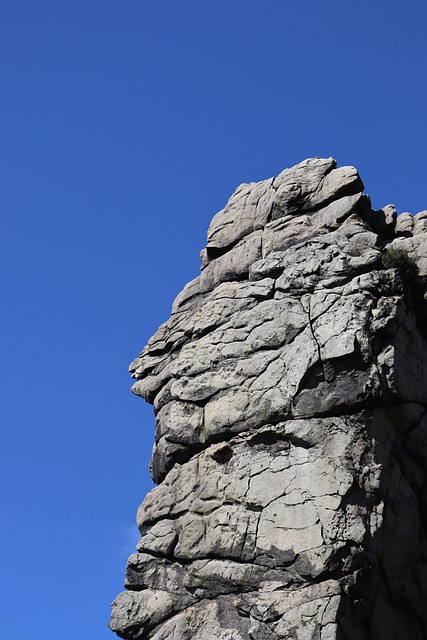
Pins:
x: 290, y: 392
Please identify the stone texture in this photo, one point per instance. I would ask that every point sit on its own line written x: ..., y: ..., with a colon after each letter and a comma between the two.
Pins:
x: 290, y: 393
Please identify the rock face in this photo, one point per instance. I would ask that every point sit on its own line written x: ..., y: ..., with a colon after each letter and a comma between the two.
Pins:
x: 290, y: 393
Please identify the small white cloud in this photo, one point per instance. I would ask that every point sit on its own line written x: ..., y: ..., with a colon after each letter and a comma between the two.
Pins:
x: 122, y: 546
x: 128, y: 538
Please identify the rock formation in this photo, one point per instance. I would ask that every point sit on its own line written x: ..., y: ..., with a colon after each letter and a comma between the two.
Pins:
x: 290, y: 393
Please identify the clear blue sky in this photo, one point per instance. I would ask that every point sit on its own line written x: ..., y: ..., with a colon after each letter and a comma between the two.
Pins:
x: 125, y: 125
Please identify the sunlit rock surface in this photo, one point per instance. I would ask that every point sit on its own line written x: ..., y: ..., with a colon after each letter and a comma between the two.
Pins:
x: 290, y: 392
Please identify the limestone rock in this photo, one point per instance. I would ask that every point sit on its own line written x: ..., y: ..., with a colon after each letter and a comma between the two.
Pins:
x: 290, y: 393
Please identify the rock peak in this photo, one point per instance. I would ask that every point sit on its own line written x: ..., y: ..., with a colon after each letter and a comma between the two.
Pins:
x: 290, y: 393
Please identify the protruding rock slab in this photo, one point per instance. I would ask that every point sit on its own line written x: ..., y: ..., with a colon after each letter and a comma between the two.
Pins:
x: 290, y: 392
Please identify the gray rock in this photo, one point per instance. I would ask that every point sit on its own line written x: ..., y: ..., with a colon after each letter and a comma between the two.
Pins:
x: 404, y: 224
x: 290, y: 393
x: 383, y: 221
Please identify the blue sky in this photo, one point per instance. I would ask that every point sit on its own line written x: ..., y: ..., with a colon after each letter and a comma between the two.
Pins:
x: 124, y: 127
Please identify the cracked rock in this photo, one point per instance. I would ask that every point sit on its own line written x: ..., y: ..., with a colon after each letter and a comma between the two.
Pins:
x: 290, y: 391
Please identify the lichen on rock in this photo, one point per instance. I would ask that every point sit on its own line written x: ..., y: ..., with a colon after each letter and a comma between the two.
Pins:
x: 290, y: 393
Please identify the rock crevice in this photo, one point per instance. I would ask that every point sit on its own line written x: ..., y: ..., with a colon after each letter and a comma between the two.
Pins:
x: 290, y: 393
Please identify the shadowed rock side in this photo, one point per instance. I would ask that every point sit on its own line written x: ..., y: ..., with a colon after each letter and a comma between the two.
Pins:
x: 290, y: 393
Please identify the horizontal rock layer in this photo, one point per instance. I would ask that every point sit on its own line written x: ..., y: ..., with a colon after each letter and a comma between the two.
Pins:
x: 290, y: 393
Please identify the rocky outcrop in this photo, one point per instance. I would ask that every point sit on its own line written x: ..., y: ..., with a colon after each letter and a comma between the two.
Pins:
x: 290, y: 393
